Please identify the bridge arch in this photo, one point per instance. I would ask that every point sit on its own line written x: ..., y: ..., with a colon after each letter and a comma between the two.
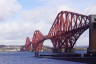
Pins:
x: 65, y: 31
x: 85, y: 39
x: 67, y: 28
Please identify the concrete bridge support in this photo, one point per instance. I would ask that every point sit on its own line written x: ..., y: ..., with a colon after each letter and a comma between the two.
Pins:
x: 92, y: 35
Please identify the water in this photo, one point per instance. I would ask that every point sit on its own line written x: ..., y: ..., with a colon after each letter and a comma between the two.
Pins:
x: 28, y: 58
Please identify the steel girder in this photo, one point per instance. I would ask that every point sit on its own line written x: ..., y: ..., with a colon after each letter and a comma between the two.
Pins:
x: 66, y: 29
x: 37, y: 41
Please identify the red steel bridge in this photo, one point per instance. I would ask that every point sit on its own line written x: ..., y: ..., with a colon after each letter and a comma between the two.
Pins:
x: 65, y: 31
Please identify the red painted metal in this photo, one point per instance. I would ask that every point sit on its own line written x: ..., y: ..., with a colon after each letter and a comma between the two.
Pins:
x: 37, y: 40
x: 65, y: 31
x: 67, y: 28
x: 28, y: 45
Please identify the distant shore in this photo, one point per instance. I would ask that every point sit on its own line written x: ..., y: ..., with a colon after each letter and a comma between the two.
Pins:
x: 10, y: 48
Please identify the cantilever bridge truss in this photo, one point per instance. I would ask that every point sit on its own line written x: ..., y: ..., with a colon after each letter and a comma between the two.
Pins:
x: 65, y: 31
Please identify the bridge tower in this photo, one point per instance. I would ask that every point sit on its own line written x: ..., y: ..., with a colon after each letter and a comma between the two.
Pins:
x: 92, y: 35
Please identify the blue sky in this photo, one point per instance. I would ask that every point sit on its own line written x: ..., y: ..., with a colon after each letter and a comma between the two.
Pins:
x: 20, y: 18
x: 29, y: 4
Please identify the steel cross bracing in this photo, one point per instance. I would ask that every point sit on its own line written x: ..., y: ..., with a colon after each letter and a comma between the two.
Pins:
x: 65, y: 31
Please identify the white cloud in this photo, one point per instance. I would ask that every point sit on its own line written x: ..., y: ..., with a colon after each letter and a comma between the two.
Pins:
x: 69, y: 8
x: 8, y: 8
x: 12, y: 42
x: 9, y: 30
x: 39, y: 18
x: 15, y: 31
x: 90, y: 10
x: 43, y: 17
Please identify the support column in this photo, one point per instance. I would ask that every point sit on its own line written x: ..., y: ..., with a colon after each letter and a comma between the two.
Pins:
x: 92, y: 35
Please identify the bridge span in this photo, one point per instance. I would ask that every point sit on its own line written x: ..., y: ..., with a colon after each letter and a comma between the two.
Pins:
x: 65, y: 31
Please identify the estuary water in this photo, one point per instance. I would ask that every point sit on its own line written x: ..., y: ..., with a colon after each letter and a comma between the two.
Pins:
x: 28, y: 58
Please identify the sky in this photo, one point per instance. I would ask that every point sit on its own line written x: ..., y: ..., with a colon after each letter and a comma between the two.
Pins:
x: 20, y: 18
